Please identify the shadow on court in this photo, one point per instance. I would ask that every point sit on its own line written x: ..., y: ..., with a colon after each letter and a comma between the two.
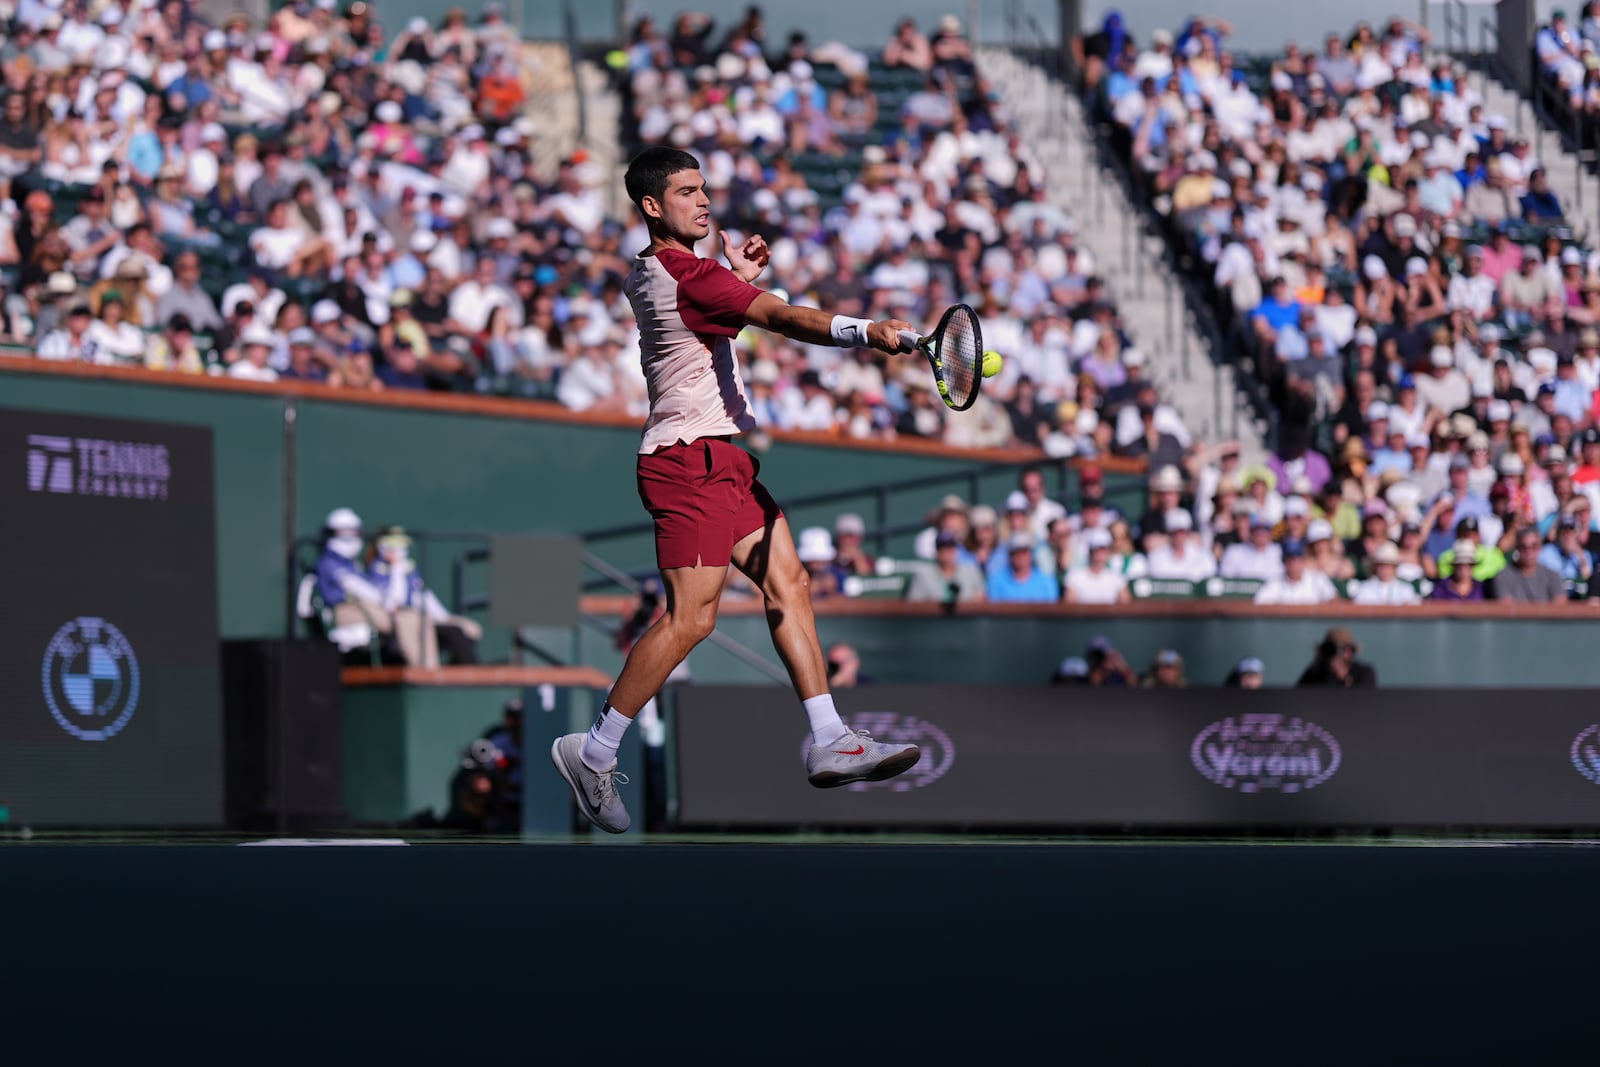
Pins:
x: 797, y: 953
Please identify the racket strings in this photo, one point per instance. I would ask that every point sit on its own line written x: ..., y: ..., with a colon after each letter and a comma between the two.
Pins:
x: 959, y: 353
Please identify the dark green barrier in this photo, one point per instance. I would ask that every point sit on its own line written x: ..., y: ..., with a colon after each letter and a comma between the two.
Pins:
x: 1007, y: 649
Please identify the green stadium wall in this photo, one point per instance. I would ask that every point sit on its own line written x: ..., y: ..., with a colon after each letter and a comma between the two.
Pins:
x: 439, y: 470
x: 485, y: 473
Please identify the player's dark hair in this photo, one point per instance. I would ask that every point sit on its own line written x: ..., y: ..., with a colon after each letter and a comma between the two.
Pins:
x: 648, y: 172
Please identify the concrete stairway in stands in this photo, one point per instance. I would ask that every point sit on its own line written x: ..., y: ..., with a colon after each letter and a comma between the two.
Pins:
x: 1572, y: 182
x: 1148, y: 297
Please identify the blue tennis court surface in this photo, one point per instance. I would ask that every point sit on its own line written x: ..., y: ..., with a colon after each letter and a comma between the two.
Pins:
x: 761, y: 951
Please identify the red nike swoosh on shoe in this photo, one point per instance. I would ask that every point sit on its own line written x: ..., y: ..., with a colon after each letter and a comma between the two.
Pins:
x: 851, y: 751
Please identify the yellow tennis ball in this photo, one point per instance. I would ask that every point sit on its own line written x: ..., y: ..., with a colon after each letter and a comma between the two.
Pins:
x: 992, y: 362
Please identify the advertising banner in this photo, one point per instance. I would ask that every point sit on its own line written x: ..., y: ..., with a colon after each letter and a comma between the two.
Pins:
x: 1047, y: 757
x: 110, y: 692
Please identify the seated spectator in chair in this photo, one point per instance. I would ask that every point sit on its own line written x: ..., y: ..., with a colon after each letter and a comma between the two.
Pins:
x: 409, y: 602
x: 1183, y: 557
x: 1299, y: 584
x: 1568, y: 557
x: 1384, y: 587
x: 1020, y: 580
x: 1259, y: 558
x: 354, y: 602
x: 1099, y: 582
x: 1460, y: 584
x: 1526, y: 580
x: 815, y: 549
x: 949, y: 580
x: 849, y: 532
x: 1539, y: 203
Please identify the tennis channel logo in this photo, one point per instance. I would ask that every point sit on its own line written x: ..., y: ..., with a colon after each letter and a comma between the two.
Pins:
x: 91, y: 679
x: 1265, y: 753
x: 938, y: 752
x: 1586, y: 752
x: 87, y: 466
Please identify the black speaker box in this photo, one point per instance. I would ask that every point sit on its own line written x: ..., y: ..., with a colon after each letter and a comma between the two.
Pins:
x: 282, y: 736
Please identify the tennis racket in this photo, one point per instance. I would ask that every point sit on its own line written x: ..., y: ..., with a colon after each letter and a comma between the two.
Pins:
x: 955, y: 352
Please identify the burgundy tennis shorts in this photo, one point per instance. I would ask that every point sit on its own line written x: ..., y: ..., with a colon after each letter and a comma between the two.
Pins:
x: 704, y: 498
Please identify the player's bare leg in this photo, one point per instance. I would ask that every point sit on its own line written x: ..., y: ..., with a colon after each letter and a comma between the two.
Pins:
x: 588, y: 761
x: 838, y: 754
x: 768, y: 558
x: 692, y: 595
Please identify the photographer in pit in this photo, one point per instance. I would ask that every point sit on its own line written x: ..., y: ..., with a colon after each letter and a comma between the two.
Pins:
x: 478, y: 794
x: 506, y: 737
x: 1335, y: 664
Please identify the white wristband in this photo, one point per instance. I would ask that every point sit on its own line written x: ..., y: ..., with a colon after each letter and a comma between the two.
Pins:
x: 848, y: 332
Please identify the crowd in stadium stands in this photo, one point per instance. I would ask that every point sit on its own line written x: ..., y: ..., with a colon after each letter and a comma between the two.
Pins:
x: 1492, y: 515
x: 1569, y: 57
x: 309, y: 200
x: 893, y: 185
x: 1393, y: 265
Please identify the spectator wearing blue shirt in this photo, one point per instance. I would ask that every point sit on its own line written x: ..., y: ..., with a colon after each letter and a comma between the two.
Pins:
x: 1149, y: 128
x: 1022, y: 581
x: 1572, y: 395
x: 1277, y: 310
x: 1567, y: 556
x: 1394, y: 455
x: 1474, y: 172
x: 1539, y: 204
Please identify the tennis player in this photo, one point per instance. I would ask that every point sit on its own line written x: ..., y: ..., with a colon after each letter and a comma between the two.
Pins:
x: 700, y: 486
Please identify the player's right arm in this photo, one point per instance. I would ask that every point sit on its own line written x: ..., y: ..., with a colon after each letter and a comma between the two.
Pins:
x: 811, y: 326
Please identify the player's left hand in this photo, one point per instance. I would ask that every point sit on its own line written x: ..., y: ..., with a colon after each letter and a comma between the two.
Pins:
x: 749, y: 259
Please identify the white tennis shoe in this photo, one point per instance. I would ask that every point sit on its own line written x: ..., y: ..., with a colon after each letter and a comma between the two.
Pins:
x: 856, y: 757
x: 596, y: 791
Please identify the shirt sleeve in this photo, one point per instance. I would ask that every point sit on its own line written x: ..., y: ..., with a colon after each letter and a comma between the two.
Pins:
x: 711, y: 298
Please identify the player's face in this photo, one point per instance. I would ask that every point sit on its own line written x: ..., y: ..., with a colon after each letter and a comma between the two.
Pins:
x: 684, y: 209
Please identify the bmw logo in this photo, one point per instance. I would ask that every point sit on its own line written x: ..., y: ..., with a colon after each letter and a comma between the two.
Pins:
x: 91, y: 679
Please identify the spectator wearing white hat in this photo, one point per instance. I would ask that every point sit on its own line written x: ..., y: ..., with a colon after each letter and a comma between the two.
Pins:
x: 1182, y: 557
x: 815, y: 549
x: 1097, y: 582
x: 1384, y: 588
x: 1166, y: 494
x: 255, y: 346
x: 1325, y: 552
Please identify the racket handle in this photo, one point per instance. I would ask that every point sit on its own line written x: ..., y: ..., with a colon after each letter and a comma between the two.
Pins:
x: 909, y: 341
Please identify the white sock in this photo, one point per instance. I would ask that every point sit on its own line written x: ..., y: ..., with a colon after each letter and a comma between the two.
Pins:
x: 826, y: 726
x: 605, y: 737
